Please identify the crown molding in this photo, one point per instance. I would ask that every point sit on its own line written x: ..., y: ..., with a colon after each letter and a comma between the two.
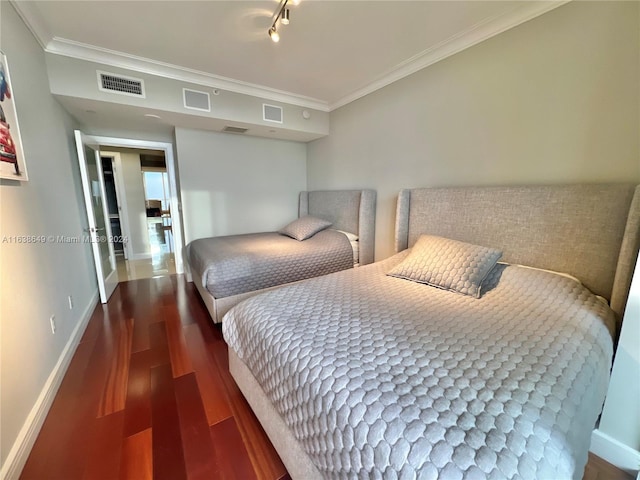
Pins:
x: 523, y: 12
x: 468, y: 38
x: 30, y: 15
x: 91, y: 53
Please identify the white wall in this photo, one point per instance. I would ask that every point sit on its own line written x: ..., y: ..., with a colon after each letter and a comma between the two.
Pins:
x: 74, y: 78
x: 36, y: 279
x: 553, y: 100
x: 617, y: 438
x: 130, y: 173
x: 234, y: 184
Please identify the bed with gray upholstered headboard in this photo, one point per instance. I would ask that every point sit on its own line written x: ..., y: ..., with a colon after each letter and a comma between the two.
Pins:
x: 335, y: 230
x: 588, y: 231
x: 440, y: 361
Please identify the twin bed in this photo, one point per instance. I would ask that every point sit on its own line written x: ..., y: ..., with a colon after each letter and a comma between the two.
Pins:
x: 229, y: 269
x: 499, y: 372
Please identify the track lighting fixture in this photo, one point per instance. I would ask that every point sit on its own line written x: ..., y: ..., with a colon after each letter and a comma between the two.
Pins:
x: 282, y: 14
x: 273, y: 33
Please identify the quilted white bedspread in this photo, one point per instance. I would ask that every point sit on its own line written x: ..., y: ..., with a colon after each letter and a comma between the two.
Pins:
x: 380, y: 377
x: 237, y: 264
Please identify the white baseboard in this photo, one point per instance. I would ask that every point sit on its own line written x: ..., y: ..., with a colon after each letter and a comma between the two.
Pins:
x: 615, y: 452
x: 31, y: 428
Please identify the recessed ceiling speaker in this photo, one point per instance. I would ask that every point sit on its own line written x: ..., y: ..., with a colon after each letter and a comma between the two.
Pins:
x: 271, y: 113
x: 196, y: 100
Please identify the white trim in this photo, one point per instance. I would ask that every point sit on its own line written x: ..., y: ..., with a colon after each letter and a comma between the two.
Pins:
x: 33, y: 20
x: 122, y: 201
x: 121, y: 198
x: 111, y: 280
x: 480, y: 32
x: 615, y: 452
x: 23, y: 444
x: 82, y: 141
x: 521, y: 13
x: 99, y: 74
x: 176, y: 210
x: 91, y: 53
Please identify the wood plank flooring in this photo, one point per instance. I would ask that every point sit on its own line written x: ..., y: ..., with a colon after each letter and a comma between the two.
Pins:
x: 148, y: 394
x: 598, y: 469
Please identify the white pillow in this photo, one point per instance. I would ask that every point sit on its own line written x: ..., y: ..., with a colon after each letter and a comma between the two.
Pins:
x: 304, y: 227
x: 448, y: 264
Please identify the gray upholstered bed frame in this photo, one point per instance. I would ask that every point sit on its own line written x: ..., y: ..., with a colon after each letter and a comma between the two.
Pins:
x: 353, y: 211
x: 349, y: 210
x: 589, y: 231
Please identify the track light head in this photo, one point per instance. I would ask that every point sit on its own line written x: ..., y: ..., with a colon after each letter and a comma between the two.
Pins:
x: 273, y: 33
x: 282, y: 14
x: 284, y: 18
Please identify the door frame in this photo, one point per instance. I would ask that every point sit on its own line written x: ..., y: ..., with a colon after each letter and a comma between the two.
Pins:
x: 106, y: 284
x: 176, y: 205
x: 121, y: 199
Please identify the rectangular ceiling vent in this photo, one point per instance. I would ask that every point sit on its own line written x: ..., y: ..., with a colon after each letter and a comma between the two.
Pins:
x: 230, y: 129
x: 116, y: 83
x: 196, y: 100
x: 271, y: 113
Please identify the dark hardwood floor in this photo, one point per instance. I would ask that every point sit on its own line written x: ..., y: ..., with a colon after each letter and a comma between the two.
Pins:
x: 148, y: 394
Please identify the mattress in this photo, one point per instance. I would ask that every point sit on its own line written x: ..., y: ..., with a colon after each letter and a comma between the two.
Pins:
x: 380, y: 377
x: 237, y: 264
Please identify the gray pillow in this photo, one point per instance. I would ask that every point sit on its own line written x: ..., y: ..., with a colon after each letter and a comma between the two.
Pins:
x: 304, y: 227
x: 448, y: 264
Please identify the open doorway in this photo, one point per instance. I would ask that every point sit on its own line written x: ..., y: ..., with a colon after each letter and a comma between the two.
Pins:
x: 151, y: 240
x: 139, y: 196
x: 157, y: 195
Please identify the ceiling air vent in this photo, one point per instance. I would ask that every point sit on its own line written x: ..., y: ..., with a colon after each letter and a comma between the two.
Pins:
x: 230, y: 129
x: 195, y: 100
x: 271, y: 113
x: 115, y: 83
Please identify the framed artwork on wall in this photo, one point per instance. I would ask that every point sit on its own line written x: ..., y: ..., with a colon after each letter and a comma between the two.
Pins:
x: 12, y: 162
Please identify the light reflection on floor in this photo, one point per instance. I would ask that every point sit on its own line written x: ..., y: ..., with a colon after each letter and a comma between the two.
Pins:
x: 161, y: 262
x: 156, y: 266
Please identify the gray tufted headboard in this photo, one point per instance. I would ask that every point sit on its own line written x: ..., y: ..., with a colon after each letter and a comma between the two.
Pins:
x: 589, y: 231
x: 353, y: 211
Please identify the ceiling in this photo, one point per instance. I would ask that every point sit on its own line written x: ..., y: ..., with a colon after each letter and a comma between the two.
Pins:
x: 332, y: 52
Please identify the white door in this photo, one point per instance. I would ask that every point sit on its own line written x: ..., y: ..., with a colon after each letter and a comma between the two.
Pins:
x: 96, y: 206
